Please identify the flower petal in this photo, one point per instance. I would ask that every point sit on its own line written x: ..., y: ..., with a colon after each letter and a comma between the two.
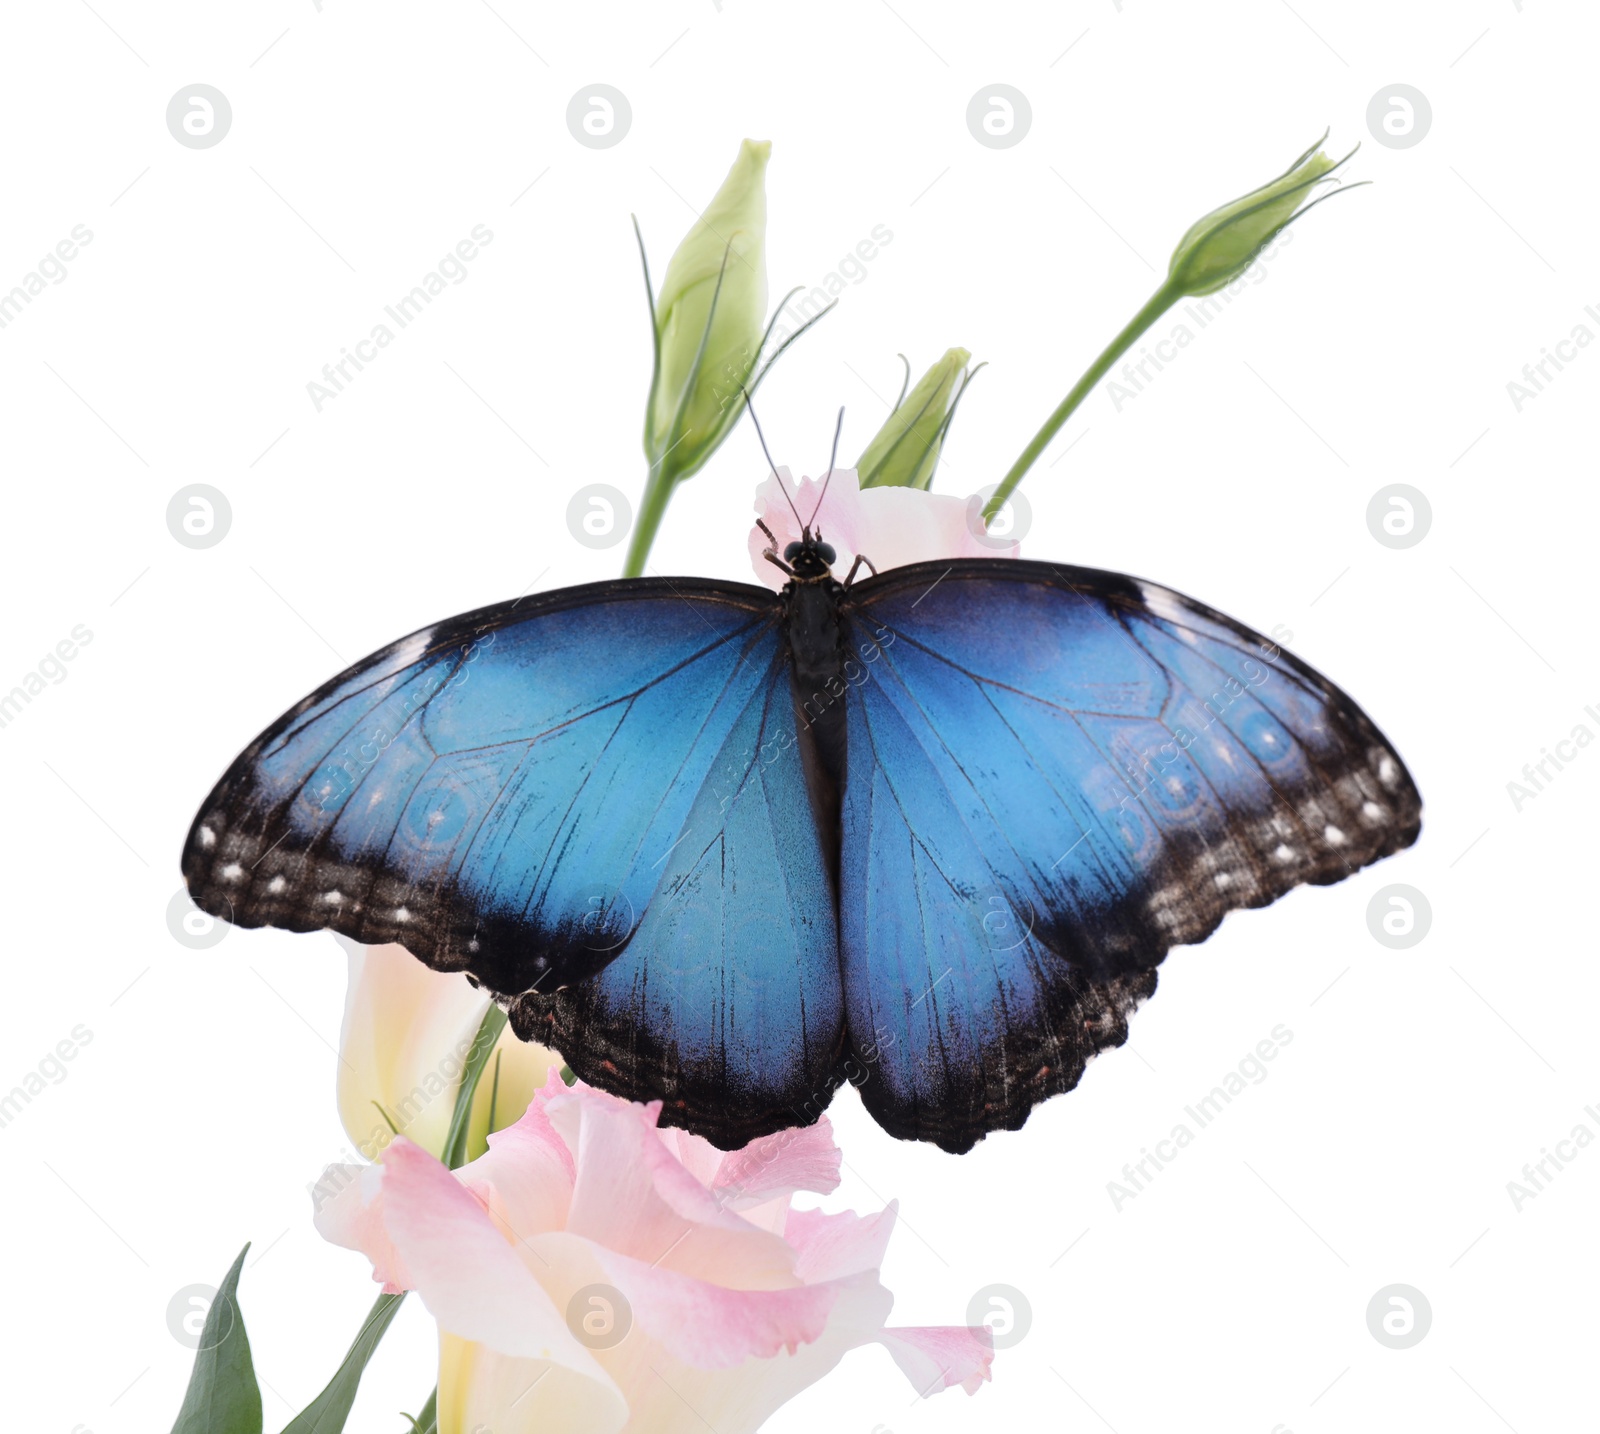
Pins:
x: 935, y: 1357
x: 709, y: 1326
x: 632, y: 1196
x: 481, y: 1389
x: 805, y: 1158
x: 831, y: 1246
x: 347, y: 1210
x: 677, y: 1398
x: 470, y: 1278
x: 525, y: 1177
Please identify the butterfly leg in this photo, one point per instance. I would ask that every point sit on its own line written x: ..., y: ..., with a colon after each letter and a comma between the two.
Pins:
x: 855, y: 567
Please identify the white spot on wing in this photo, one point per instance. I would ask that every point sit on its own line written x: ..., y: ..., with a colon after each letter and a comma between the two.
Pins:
x: 1333, y: 835
x: 276, y: 885
x: 409, y: 649
x: 232, y: 871
x: 208, y: 838
x: 1164, y: 604
x: 1284, y: 852
x: 333, y: 898
x: 401, y: 914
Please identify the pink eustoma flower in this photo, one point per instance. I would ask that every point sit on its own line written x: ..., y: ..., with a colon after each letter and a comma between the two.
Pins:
x: 594, y: 1273
x: 888, y: 525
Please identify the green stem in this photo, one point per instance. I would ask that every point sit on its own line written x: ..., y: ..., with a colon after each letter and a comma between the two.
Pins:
x: 1159, y: 302
x: 427, y: 1422
x: 652, y: 508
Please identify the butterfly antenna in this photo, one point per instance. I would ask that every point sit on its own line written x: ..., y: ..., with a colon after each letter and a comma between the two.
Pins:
x: 838, y: 428
x: 768, y: 455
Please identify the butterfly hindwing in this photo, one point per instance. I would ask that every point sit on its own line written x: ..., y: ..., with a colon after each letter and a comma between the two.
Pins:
x: 1055, y: 775
x: 726, y: 1004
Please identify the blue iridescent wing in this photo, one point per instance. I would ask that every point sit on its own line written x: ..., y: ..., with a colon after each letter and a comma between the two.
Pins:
x: 593, y: 781
x: 727, y: 1003
x: 1055, y: 775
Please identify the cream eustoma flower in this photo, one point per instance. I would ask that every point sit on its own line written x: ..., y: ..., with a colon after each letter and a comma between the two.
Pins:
x: 593, y: 1273
x: 407, y: 1030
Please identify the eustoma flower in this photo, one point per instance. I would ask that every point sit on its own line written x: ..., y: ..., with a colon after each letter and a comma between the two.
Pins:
x: 593, y: 1273
x: 407, y: 1031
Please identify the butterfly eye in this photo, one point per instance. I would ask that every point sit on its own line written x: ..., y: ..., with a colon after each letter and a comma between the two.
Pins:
x: 828, y: 554
x: 792, y: 552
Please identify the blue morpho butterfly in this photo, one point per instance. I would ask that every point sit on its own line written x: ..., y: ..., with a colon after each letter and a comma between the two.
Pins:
x: 930, y: 832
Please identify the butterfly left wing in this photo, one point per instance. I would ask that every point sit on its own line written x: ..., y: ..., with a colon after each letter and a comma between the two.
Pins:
x: 542, y: 790
x: 1055, y: 775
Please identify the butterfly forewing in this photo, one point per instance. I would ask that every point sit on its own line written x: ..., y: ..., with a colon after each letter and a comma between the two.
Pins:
x: 496, y: 792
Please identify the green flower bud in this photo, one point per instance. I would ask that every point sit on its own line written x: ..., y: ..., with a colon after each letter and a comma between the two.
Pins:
x: 1220, y: 247
x: 905, y: 450
x: 1214, y: 253
x: 710, y: 343
x: 710, y: 320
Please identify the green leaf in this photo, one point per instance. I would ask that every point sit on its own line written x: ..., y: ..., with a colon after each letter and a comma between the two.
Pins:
x: 455, y: 1153
x: 328, y: 1411
x: 223, y: 1397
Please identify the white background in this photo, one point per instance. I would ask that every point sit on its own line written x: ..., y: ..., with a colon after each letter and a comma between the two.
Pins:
x: 367, y: 141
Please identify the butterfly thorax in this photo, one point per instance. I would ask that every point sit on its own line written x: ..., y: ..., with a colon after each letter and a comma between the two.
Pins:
x: 815, y: 637
x: 814, y: 627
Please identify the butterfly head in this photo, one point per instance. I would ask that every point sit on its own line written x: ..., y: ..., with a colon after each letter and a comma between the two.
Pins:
x: 810, y: 557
